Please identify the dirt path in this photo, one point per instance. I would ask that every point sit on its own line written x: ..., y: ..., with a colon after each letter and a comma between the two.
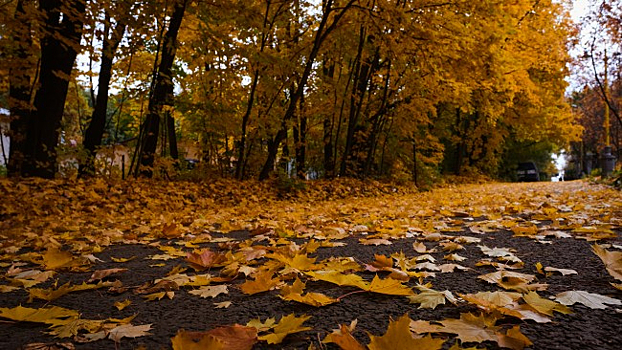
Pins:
x: 553, y: 224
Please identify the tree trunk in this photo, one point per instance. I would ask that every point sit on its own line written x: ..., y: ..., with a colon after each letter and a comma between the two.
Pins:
x: 161, y: 92
x: 59, y: 48
x: 172, y: 136
x: 95, y: 130
x: 320, y: 37
x: 21, y: 68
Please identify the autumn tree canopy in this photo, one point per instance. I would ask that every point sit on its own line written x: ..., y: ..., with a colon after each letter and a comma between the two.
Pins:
x: 360, y: 88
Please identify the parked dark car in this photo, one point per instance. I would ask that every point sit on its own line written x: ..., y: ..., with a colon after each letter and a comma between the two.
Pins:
x: 527, y: 171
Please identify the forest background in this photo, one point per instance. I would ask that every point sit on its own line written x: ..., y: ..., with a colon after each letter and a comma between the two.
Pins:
x: 391, y: 89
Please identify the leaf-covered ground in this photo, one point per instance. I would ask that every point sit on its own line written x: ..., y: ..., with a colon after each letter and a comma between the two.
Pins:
x: 93, y: 265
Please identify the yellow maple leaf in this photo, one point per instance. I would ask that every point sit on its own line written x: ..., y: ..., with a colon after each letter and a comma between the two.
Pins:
x: 55, y: 258
x: 389, y: 286
x: 287, y: 325
x: 340, y: 279
x: 294, y: 293
x: 50, y: 315
x: 263, y: 282
x: 544, y: 306
x: 398, y: 336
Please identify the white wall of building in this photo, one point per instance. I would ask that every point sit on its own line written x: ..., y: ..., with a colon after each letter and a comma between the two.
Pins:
x: 4, y: 127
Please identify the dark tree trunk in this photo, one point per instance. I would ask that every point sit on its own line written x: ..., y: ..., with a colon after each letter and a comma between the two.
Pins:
x: 356, y: 101
x: 161, y: 92
x: 21, y: 68
x: 172, y: 136
x: 59, y: 48
x: 95, y: 130
x: 320, y: 36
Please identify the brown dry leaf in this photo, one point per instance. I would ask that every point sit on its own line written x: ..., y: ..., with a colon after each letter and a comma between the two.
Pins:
x: 263, y: 282
x: 513, y: 339
x: 101, y: 274
x: 472, y: 328
x: 210, y: 291
x: 611, y: 259
x: 564, y: 272
x: 421, y: 327
x: 196, y: 341
x: 129, y: 331
x: 204, y: 259
x: 375, y: 241
x: 159, y: 296
x: 398, y: 336
x: 235, y: 337
x: 343, y: 338
x: 222, y: 305
x: 421, y: 248
x: 287, y: 325
x: 160, y: 286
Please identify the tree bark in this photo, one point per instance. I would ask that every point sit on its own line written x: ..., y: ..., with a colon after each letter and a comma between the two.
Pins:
x: 21, y: 68
x: 161, y: 92
x: 320, y: 36
x: 95, y: 130
x: 59, y: 48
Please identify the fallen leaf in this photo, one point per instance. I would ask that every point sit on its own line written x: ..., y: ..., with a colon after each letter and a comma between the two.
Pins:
x: 101, y: 274
x: 210, y: 291
x: 591, y: 300
x: 513, y: 339
x: 544, y: 306
x: 398, y: 336
x: 343, y: 338
x: 263, y: 282
x: 287, y: 325
x: 430, y: 298
x: 222, y: 305
x: 472, y: 328
x: 389, y: 286
x: 50, y: 315
x: 564, y: 272
x: 55, y: 258
x: 122, y: 304
x: 235, y: 337
x: 184, y: 340
x: 612, y: 261
x: 129, y: 331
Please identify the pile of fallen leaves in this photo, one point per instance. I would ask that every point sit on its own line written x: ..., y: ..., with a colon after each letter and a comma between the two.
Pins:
x: 51, y: 228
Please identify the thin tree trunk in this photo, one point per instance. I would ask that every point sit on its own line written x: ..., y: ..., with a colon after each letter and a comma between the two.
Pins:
x: 95, y: 130
x: 20, y: 89
x: 320, y: 36
x: 161, y: 91
x: 59, y: 48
